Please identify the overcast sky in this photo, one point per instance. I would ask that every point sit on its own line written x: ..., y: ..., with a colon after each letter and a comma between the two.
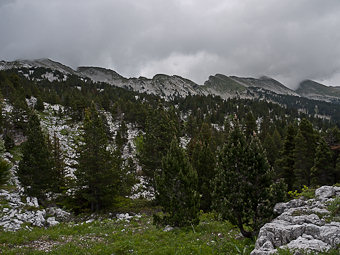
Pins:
x: 289, y: 40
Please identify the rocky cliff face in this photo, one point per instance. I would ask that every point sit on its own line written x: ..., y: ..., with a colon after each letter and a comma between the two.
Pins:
x: 306, y: 225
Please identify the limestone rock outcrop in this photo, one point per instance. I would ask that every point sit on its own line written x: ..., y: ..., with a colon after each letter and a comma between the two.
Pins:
x: 301, y: 225
x: 18, y: 211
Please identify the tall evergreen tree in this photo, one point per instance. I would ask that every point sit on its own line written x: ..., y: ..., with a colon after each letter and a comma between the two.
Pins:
x: 270, y: 149
x: 58, y: 164
x: 304, y: 153
x: 97, y: 172
x: 36, y: 171
x: 286, y: 161
x: 336, y: 176
x: 39, y: 106
x: 201, y: 150
x: 160, y: 130
x: 121, y: 136
x: 176, y: 189
x: 244, y: 192
x: 277, y: 139
x: 250, y: 124
x: 322, y: 172
x: 4, y: 171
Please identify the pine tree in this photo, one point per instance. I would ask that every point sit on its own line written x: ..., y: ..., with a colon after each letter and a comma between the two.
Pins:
x: 304, y: 153
x: 121, y: 136
x: 4, y: 171
x: 8, y: 141
x: 336, y: 176
x: 244, y: 192
x: 277, y: 139
x: 250, y: 124
x: 201, y: 150
x: 160, y: 130
x: 264, y: 128
x: 39, y: 106
x: 277, y: 148
x: 270, y: 149
x: 322, y: 172
x: 286, y: 160
x: 97, y: 172
x: 58, y: 164
x: 176, y: 189
x: 36, y: 168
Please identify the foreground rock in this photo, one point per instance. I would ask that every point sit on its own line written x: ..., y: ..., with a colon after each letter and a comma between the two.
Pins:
x: 17, y: 212
x: 302, y: 225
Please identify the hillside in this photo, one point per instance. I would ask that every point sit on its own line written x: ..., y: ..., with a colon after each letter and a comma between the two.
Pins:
x: 77, y: 153
x: 265, y: 83
x: 314, y: 90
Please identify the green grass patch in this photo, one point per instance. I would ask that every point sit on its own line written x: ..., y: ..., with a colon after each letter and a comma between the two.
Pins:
x: 139, y: 236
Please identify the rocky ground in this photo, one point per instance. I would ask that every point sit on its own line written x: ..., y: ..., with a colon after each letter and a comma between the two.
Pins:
x: 303, y: 224
x: 18, y: 211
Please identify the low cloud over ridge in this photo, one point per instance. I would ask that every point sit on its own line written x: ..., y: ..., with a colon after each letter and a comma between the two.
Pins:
x: 289, y: 40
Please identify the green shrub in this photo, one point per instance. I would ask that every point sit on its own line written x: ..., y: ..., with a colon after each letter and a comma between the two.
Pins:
x: 306, y: 193
x: 334, y: 209
x: 4, y: 171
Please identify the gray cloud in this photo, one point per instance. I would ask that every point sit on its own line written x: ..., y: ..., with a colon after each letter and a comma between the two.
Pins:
x: 289, y: 40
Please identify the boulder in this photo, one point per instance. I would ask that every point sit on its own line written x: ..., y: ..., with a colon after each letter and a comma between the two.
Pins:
x: 325, y: 192
x: 58, y: 213
x: 32, y: 201
x: 16, y: 212
x: 52, y: 222
x: 306, y: 242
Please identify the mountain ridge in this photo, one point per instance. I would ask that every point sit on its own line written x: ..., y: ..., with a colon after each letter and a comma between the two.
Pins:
x: 317, y: 91
x: 170, y: 86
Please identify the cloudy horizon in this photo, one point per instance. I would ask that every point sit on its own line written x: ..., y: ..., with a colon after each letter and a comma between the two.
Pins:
x: 288, y: 40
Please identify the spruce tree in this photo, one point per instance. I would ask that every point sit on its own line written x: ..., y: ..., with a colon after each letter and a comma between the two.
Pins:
x: 176, y: 189
x: 322, y: 172
x: 270, y: 149
x: 35, y: 170
x: 97, y: 172
x: 336, y: 176
x: 202, y: 156
x: 277, y: 139
x: 121, y: 136
x: 244, y: 191
x: 250, y: 124
x: 58, y: 164
x: 286, y: 161
x: 4, y: 171
x: 8, y: 141
x: 39, y: 106
x: 160, y: 130
x: 304, y: 153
